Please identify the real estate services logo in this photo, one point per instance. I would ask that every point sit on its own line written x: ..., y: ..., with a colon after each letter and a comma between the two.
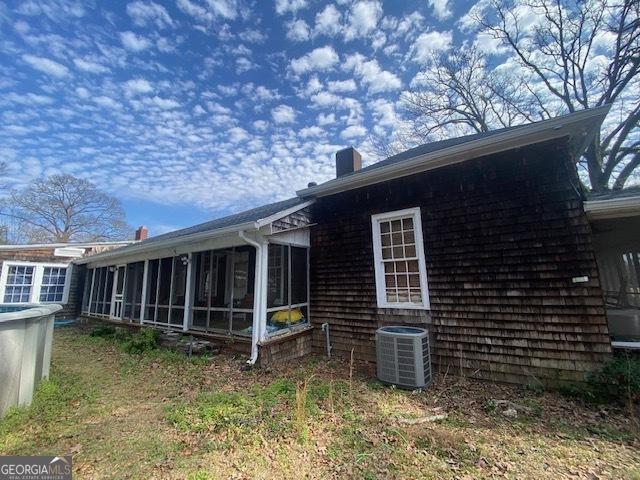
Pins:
x: 35, y: 468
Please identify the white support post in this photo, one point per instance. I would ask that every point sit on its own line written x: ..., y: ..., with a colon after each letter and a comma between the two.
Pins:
x: 187, y: 293
x: 36, y: 283
x: 143, y: 297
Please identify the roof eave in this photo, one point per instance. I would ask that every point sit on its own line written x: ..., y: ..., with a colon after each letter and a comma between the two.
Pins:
x: 613, y: 208
x: 585, y: 122
x: 171, y: 242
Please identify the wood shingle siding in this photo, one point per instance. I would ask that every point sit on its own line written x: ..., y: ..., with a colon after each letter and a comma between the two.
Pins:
x: 504, y: 236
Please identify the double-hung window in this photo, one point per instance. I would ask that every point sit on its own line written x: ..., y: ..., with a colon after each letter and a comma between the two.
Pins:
x: 401, y: 278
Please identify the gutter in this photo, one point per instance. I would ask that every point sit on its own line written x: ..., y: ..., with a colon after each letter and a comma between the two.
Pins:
x: 256, y: 332
x: 613, y: 207
x: 526, y: 135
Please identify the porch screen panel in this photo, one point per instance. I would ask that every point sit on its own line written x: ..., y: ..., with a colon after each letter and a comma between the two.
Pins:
x: 244, y: 261
x: 164, y: 290
x: 201, y: 290
x: 152, y: 291
x: 88, y: 277
x: 133, y: 290
x: 287, y: 287
x: 108, y: 290
x: 178, y: 291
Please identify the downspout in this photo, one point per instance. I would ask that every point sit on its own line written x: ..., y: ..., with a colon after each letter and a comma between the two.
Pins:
x: 257, y: 298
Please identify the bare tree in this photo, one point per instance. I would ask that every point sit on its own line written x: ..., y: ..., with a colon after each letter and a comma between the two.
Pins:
x: 561, y: 56
x: 63, y: 208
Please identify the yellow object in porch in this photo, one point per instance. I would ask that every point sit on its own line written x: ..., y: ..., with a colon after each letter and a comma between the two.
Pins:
x: 284, y: 316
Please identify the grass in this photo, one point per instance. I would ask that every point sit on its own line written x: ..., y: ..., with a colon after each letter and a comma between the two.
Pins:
x: 126, y: 412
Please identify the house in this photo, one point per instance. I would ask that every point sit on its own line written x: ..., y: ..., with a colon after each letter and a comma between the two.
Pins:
x: 44, y: 273
x: 483, y: 239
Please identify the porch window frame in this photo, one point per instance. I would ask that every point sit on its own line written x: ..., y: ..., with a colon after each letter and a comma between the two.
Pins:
x: 381, y: 289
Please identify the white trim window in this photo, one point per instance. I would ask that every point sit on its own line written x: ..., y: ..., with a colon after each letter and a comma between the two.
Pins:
x: 32, y: 282
x: 398, y: 250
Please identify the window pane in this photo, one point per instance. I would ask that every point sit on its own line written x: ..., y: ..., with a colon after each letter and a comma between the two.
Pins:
x: 278, y: 276
x: 298, y: 275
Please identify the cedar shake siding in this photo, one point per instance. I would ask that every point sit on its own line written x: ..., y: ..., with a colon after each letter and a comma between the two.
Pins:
x: 503, y: 235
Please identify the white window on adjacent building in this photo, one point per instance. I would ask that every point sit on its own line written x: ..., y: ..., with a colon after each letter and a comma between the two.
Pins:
x: 32, y: 282
x: 18, y: 285
x: 401, y: 274
x: 53, y: 282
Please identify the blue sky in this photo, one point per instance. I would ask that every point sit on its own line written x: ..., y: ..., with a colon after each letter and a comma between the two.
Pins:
x: 192, y: 109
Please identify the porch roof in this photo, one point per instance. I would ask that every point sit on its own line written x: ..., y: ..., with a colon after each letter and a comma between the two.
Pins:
x: 247, y: 220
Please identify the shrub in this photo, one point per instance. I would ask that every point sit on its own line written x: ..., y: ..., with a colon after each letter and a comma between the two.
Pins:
x: 143, y: 341
x: 618, y: 380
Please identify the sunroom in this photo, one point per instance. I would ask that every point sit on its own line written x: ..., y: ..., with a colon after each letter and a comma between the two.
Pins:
x: 243, y: 277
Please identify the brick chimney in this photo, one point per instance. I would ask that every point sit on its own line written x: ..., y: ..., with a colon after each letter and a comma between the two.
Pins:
x: 142, y: 233
x: 348, y: 160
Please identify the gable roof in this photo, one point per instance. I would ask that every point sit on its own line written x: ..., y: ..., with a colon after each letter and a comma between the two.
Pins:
x: 579, y: 127
x: 246, y: 220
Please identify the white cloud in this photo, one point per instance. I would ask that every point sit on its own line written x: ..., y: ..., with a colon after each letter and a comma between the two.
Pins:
x: 133, y: 42
x: 283, y: 114
x: 440, y: 8
x: 342, y: 85
x: 324, y: 119
x: 238, y: 134
x: 107, y: 102
x: 261, y: 125
x: 47, y: 66
x: 194, y: 10
x: 298, y: 31
x: 325, y: 99
x: 165, y: 103
x: 323, y: 58
x: 487, y: 43
x: 224, y: 8
x: 243, y: 64
x: 143, y: 13
x: 430, y: 43
x: 284, y: 6
x: 89, y: 66
x: 137, y: 85
x: 328, y: 21
x: 353, y: 131
x: 82, y: 92
x: 363, y: 18
x: 313, y: 131
x: 252, y: 36
x: 371, y: 74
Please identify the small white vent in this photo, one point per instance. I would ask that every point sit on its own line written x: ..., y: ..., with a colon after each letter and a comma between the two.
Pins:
x: 403, y: 355
x: 69, y: 252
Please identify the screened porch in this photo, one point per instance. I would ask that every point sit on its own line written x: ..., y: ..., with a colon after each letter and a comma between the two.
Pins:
x: 210, y: 292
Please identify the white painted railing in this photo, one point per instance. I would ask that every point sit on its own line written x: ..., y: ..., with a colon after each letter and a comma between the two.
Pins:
x: 25, y: 352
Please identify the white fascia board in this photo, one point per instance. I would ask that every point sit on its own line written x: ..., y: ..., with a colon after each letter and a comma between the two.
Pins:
x: 582, y: 122
x: 32, y: 246
x: 143, y: 247
x: 613, y: 208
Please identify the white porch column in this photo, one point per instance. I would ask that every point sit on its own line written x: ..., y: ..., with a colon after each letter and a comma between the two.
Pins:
x: 187, y: 294
x: 143, y: 297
